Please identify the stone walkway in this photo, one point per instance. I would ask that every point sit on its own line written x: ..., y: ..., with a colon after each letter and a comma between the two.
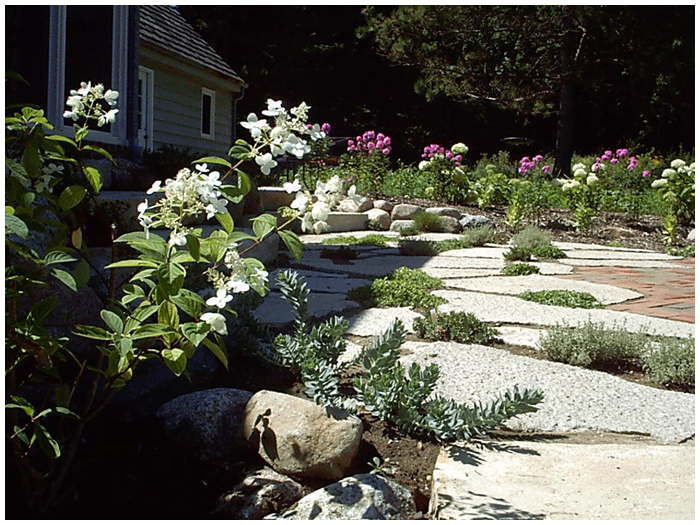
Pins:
x: 643, y: 292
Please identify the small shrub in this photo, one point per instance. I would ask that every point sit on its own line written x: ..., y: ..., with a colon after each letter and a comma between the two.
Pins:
x: 591, y: 345
x: 454, y: 244
x: 671, y: 362
x: 418, y: 247
x: 516, y: 253
x: 520, y: 269
x: 567, y: 298
x: 531, y: 237
x: 479, y: 236
x: 409, y: 231
x: 372, y: 239
x: 428, y: 222
x: 454, y: 326
x: 374, y: 225
x: 404, y: 287
x: 549, y: 252
x: 682, y: 251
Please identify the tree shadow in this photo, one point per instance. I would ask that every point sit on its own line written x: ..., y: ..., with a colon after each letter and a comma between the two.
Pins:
x: 469, y: 454
x: 473, y: 505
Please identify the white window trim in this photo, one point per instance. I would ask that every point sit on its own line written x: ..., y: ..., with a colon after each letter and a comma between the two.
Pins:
x: 212, y: 119
x: 57, y: 71
x: 146, y: 132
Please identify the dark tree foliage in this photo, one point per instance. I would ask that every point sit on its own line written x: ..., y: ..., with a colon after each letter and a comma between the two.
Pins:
x: 469, y: 73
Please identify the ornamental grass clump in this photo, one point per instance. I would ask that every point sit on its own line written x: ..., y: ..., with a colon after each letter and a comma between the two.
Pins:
x: 460, y: 327
x: 566, y: 298
x: 403, y: 287
x: 401, y: 396
x: 479, y: 236
x: 418, y: 247
x: 532, y: 241
x: 428, y: 222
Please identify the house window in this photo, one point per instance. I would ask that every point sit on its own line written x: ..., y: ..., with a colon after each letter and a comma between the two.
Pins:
x: 208, y: 109
x: 145, y: 108
x: 88, y: 43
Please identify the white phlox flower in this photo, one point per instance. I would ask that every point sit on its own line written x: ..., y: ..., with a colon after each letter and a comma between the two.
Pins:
x: 216, y: 321
x: 221, y: 300
x: 291, y: 187
x: 266, y: 163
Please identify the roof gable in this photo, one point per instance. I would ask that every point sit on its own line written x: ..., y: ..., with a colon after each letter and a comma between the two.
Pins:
x: 163, y: 26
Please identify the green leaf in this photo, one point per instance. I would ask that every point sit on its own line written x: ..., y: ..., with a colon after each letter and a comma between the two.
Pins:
x: 212, y: 160
x: 292, y: 242
x: 225, y: 220
x: 113, y: 321
x: 236, y: 193
x: 264, y: 224
x: 31, y: 160
x: 47, y: 443
x: 171, y: 277
x: 100, y: 151
x: 61, y: 138
x: 65, y: 278
x: 189, y: 302
x: 81, y: 274
x: 218, y: 351
x: 92, y: 332
x: 144, y: 311
x: 132, y: 263
x: 58, y: 410
x: 176, y: 360
x: 17, y: 169
x: 195, y: 332
x: 58, y: 257
x: 241, y: 150
x: 41, y: 311
x: 94, y: 177
x: 16, y: 225
x: 21, y: 404
x: 71, y: 197
x: 193, y: 246
x: 167, y: 314
x: 151, y: 331
x: 62, y: 394
x: 238, y: 236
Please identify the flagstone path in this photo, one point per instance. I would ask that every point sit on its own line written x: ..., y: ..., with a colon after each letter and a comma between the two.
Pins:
x: 644, y: 292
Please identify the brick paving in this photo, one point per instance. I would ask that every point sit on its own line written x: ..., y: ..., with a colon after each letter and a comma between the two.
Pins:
x: 669, y: 293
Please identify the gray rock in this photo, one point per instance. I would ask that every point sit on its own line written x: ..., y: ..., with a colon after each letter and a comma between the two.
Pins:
x: 450, y: 224
x: 365, y: 496
x: 381, y: 217
x: 401, y: 224
x: 383, y: 205
x: 446, y: 212
x: 347, y: 206
x: 691, y: 235
x: 203, y: 425
x: 475, y: 221
x: 298, y: 437
x: 259, y: 494
x: 405, y: 212
x: 345, y: 222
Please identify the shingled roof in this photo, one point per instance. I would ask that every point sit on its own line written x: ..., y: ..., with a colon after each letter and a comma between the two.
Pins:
x: 163, y: 26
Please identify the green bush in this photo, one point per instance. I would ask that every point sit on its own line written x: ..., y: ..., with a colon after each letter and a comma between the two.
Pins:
x: 682, y: 251
x: 549, y: 252
x: 671, y: 362
x: 409, y: 231
x: 591, y: 345
x: 454, y: 326
x: 520, y: 269
x: 428, y: 222
x: 418, y: 247
x: 531, y: 237
x: 567, y: 298
x: 404, y: 287
x: 516, y: 253
x: 478, y: 236
x: 454, y: 244
x: 405, y: 181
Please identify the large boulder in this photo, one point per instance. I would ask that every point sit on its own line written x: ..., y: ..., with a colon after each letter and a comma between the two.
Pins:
x: 298, y: 437
x: 450, y: 224
x: 259, y: 494
x: 380, y: 217
x: 398, y: 226
x: 405, y: 212
x: 350, y: 206
x: 361, y: 497
x: 475, y: 221
x: 202, y: 427
x: 384, y: 205
x: 445, y: 212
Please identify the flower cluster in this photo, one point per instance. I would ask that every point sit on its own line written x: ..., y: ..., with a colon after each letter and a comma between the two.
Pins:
x: 313, y: 209
x: 239, y: 278
x: 324, y: 128
x: 527, y: 165
x: 85, y: 102
x: 614, y: 159
x: 284, y: 137
x: 370, y: 143
x: 435, y: 151
x: 189, y: 194
x: 678, y: 170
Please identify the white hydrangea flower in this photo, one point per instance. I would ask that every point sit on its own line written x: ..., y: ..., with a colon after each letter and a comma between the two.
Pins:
x: 659, y: 183
x: 460, y: 149
x: 221, y: 299
x: 578, y: 166
x: 352, y: 194
x: 677, y: 163
x: 316, y: 133
x: 334, y: 185
x: 300, y: 202
x: 320, y: 211
x: 580, y: 173
x: 266, y: 163
x: 319, y: 227
x: 237, y: 285
x: 291, y: 187
x: 254, y: 125
x: 153, y: 189
x: 216, y: 321
x: 274, y: 108
x: 591, y: 180
x: 668, y: 173
x: 216, y: 206
x: 177, y: 238
x: 108, y: 118
x: 423, y: 164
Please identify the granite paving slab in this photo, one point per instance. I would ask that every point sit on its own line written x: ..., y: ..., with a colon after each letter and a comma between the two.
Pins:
x: 323, y: 282
x: 520, y: 336
x: 586, y: 246
x: 376, y: 321
x: 550, y: 480
x: 514, y: 285
x: 575, y: 399
x: 626, y: 263
x: 620, y: 256
x: 512, y: 310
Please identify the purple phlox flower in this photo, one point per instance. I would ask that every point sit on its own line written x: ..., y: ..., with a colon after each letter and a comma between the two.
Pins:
x: 448, y: 155
x: 351, y: 142
x: 646, y: 174
x: 595, y: 167
x: 380, y: 136
x: 387, y: 141
x: 633, y: 163
x: 537, y: 158
x: 524, y: 159
x: 613, y: 161
x: 605, y: 157
x: 608, y: 153
x: 546, y: 169
x: 386, y: 151
x: 622, y: 153
x: 458, y: 158
x: 349, y: 179
x: 326, y: 128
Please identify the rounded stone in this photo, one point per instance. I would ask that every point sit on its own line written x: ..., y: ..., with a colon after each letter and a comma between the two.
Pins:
x: 405, y: 212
